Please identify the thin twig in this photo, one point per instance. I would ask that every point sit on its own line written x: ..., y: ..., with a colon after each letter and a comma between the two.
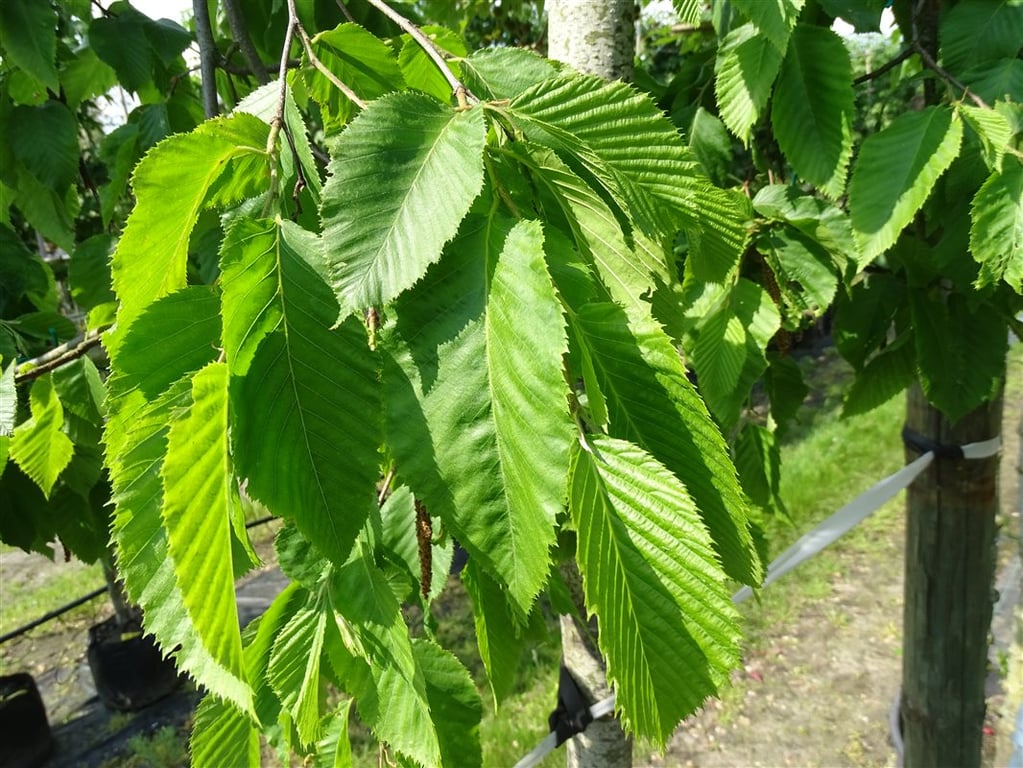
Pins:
x: 905, y: 54
x: 346, y: 12
x: 57, y: 357
x: 431, y: 50
x: 236, y: 20
x: 322, y: 69
x: 207, y: 57
x: 947, y: 76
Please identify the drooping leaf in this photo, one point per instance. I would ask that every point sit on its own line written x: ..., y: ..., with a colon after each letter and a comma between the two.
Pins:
x: 824, y: 222
x: 38, y: 444
x: 758, y: 461
x: 454, y: 704
x: 996, y: 234
x: 221, y: 735
x: 980, y: 32
x: 503, y: 73
x: 812, y: 110
x: 773, y: 18
x: 622, y: 140
x: 689, y: 11
x: 711, y: 143
x: 334, y: 749
x: 887, y: 374
x: 993, y: 129
x: 992, y: 81
x: 478, y: 418
x: 746, y: 68
x: 85, y: 77
x: 960, y: 352
x: 864, y: 316
x: 651, y: 402
x: 498, y: 634
x: 309, y: 396
x: 896, y: 171
x: 649, y: 573
x: 804, y: 272
x: 45, y: 139
x: 384, y: 221
x: 223, y: 161
x: 28, y: 34
x: 89, y: 272
x: 399, y: 544
x: 294, y: 669
x: 199, y: 494
x: 134, y: 45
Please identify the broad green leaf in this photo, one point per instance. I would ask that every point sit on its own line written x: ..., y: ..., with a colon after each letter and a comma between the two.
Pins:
x: 199, y: 494
x: 23, y: 274
x: 979, y: 32
x: 89, y: 272
x: 478, y: 418
x: 993, y: 81
x: 134, y: 45
x: 864, y: 316
x: 374, y: 659
x: 399, y: 544
x: 993, y: 129
x: 711, y: 143
x: 384, y: 217
x: 887, y: 374
x: 498, y: 633
x: 49, y: 211
x: 786, y: 388
x: 822, y: 221
x: 730, y: 349
x: 619, y: 137
x: 805, y: 273
x: 309, y: 394
x: 774, y: 19
x: 650, y: 573
x: 812, y: 109
x: 120, y: 150
x: 294, y: 669
x: 960, y: 351
x: 689, y: 11
x: 38, y: 444
x: 454, y: 704
x: 334, y: 750
x: 419, y: 70
x: 651, y: 402
x: 361, y: 61
x: 746, y: 67
x: 220, y: 163
x: 81, y: 390
x: 996, y: 234
x: 758, y: 461
x: 45, y: 139
x: 221, y: 736
x: 28, y: 34
x: 85, y: 77
x: 503, y: 73
x: 895, y: 173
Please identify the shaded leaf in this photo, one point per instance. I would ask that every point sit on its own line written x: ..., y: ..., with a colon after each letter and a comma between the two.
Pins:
x: 28, y: 34
x: 45, y: 139
x: 996, y: 234
x: 887, y: 374
x: 980, y: 32
x: 454, y: 704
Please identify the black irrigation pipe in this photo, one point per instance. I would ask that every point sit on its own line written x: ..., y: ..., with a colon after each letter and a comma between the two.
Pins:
x: 57, y: 612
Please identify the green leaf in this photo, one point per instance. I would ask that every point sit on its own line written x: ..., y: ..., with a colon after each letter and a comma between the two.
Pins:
x: 712, y: 145
x: 746, y: 67
x: 896, y: 171
x: 758, y: 461
x: 773, y: 18
x: 454, y: 704
x: 23, y: 274
x: 689, y: 11
x: 960, y: 351
x: 980, y: 32
x: 362, y: 61
x: 294, y: 669
x: 730, y: 350
x: 864, y: 317
x: 992, y: 128
x: 85, y: 77
x: 784, y: 383
x: 650, y: 573
x: 812, y: 110
x: 405, y: 147
x: 996, y: 234
x: 221, y: 162
x: 498, y: 633
x: 375, y: 660
x: 8, y: 401
x: 504, y: 73
x: 885, y: 375
x: 39, y: 445
x: 334, y: 749
x: 478, y: 418
x: 134, y: 45
x: 621, y: 139
x: 400, y: 545
x: 309, y: 394
x: 221, y: 735
x: 80, y: 388
x: 804, y: 271
x: 651, y: 402
x: 419, y: 70
x: 49, y: 211
x: 120, y: 151
x: 45, y: 139
x: 199, y: 494
x: 28, y: 34
x: 89, y: 272
x: 822, y: 221
x: 993, y: 81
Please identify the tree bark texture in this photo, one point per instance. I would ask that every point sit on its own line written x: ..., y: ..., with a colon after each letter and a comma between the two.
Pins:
x: 597, y: 37
x: 950, y: 565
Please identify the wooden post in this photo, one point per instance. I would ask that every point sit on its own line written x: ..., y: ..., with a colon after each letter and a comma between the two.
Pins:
x: 950, y: 564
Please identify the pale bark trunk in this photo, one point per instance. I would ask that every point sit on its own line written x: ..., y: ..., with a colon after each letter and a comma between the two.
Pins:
x: 597, y: 37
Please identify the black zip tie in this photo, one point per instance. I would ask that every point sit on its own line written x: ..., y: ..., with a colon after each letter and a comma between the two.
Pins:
x: 573, y: 713
x: 922, y: 445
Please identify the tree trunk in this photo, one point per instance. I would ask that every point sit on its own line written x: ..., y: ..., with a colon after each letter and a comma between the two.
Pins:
x: 597, y: 37
x: 950, y: 564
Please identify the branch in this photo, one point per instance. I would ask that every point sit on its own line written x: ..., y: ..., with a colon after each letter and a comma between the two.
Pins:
x: 346, y: 12
x: 322, y: 68
x: 947, y: 76
x: 207, y: 57
x: 428, y: 47
x: 236, y: 21
x: 905, y: 54
x: 58, y: 356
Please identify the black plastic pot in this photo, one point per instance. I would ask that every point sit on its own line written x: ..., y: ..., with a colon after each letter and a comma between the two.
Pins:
x: 128, y: 669
x: 25, y: 737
